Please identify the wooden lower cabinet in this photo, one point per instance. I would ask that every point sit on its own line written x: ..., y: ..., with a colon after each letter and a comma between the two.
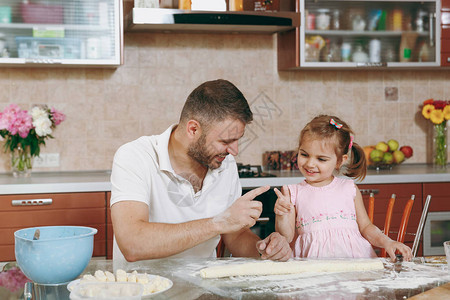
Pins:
x: 440, y: 196
x: 76, y: 209
x: 403, y: 192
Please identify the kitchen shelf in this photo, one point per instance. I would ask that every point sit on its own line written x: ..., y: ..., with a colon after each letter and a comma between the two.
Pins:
x: 342, y: 33
x: 54, y: 26
x: 176, y: 20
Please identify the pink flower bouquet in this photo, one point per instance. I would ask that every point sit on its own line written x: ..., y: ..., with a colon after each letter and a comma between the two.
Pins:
x: 12, y: 282
x: 24, y: 132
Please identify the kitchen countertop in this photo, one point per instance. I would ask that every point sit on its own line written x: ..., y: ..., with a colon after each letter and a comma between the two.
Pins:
x: 99, y: 181
x: 415, y: 278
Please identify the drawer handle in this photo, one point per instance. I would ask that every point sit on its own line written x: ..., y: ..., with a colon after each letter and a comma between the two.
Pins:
x: 368, y: 191
x: 28, y: 202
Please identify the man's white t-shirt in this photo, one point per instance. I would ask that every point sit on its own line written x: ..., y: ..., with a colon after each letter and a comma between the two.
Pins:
x: 142, y: 172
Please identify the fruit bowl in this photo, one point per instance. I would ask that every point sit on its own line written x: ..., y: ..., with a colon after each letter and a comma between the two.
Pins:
x: 385, y: 156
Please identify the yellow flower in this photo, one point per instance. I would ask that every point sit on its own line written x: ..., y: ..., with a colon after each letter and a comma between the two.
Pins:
x: 437, y: 116
x: 447, y: 112
x: 426, y: 110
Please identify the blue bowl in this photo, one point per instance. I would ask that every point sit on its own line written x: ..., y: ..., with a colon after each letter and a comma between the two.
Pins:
x: 59, y: 255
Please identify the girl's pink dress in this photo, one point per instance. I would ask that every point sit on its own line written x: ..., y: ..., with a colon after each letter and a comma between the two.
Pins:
x: 326, y: 221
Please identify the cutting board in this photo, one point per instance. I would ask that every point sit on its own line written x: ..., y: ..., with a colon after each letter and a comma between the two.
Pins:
x: 440, y: 292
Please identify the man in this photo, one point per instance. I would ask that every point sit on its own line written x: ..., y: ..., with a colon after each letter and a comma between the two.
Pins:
x: 176, y: 194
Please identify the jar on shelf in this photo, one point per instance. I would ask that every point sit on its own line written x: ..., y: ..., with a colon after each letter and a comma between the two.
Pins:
x: 389, y: 54
x: 421, y: 20
x: 358, y: 23
x: 335, y: 52
x: 323, y: 19
x: 335, y: 19
x: 359, y: 55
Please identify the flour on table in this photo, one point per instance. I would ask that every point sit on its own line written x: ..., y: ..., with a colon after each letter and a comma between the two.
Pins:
x: 414, y: 278
x: 290, y: 267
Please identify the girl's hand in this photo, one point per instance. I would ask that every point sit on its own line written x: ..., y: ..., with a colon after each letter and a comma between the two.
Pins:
x: 283, y: 205
x: 392, y: 246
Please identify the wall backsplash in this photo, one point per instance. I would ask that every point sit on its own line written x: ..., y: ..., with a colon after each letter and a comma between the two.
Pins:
x: 108, y: 107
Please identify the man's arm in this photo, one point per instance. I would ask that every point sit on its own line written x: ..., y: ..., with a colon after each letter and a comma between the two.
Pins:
x: 139, y: 239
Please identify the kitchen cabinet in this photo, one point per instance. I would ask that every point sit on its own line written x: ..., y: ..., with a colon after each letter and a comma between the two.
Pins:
x: 440, y: 192
x: 168, y: 18
x: 61, y: 33
x: 403, y: 192
x: 363, y: 34
x: 30, y: 210
x: 445, y: 33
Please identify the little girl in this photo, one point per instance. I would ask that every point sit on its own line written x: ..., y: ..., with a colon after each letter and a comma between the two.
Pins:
x: 325, y: 213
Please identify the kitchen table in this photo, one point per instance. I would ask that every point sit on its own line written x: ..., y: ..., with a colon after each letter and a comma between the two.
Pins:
x: 415, y: 277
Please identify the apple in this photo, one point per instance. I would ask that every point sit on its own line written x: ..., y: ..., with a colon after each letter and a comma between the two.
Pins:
x: 382, y: 146
x: 399, y: 156
x: 367, y: 151
x: 393, y: 145
x: 376, y: 155
x: 407, y: 150
x: 388, y: 158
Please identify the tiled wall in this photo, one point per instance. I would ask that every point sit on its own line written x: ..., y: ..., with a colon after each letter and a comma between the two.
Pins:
x: 108, y: 107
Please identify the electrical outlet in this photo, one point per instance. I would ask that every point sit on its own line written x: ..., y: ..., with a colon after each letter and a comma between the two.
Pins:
x: 46, y: 160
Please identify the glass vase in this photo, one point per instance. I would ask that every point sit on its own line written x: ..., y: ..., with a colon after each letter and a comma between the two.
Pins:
x: 440, y: 145
x: 21, y: 161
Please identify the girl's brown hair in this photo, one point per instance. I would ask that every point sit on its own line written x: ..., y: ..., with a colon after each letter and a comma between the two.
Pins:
x: 332, y: 128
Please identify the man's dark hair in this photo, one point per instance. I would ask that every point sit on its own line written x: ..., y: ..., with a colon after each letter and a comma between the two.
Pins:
x: 215, y: 101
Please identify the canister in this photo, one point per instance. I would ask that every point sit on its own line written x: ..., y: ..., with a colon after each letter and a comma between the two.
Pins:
x: 323, y: 19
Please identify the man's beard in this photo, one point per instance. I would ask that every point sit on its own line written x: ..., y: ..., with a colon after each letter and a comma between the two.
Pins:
x: 198, y: 151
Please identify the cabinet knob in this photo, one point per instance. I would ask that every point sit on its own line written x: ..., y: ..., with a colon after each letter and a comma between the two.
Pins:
x: 27, y: 202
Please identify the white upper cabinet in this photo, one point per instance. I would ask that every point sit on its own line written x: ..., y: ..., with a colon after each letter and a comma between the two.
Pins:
x: 365, y: 34
x: 61, y: 32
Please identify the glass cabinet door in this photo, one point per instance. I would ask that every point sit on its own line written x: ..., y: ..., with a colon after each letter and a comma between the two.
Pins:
x: 66, y: 32
x: 369, y: 33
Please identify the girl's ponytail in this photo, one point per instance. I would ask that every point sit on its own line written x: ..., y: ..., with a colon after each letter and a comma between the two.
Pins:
x: 357, y: 166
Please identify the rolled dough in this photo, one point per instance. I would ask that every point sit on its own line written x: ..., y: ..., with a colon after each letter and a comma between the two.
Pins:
x: 291, y: 267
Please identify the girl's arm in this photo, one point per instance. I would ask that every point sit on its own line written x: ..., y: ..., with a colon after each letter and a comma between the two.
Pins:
x: 285, y: 214
x: 374, y: 235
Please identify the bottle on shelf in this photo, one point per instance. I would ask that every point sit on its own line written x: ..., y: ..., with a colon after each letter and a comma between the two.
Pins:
x: 346, y: 51
x: 397, y: 19
x: 375, y: 51
x: 310, y: 20
x: 184, y: 4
